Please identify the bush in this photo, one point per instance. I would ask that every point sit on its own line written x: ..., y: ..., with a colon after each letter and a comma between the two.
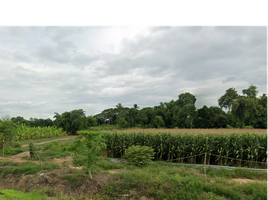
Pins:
x: 32, y: 151
x: 139, y: 155
x: 249, y: 127
x: 16, y: 144
x: 228, y: 126
x: 12, y: 151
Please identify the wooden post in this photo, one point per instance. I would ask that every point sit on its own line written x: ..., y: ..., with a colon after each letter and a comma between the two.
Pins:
x: 205, y: 167
x: 124, y: 168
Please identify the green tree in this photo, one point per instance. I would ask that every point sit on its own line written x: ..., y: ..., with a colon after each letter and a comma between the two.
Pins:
x: 251, y: 92
x: 71, y: 121
x: 91, y: 121
x: 159, y: 121
x: 186, y: 98
x: 122, y: 123
x: 7, y: 131
x: 242, y: 108
x: 95, y: 143
x: 20, y: 120
x: 225, y: 101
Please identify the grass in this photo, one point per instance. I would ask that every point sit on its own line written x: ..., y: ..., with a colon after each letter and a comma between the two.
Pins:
x: 11, y: 194
x: 25, y: 168
x: 18, y: 195
x: 160, y: 180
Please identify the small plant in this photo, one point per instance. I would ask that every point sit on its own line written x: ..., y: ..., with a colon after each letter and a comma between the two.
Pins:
x: 139, y: 155
x: 32, y: 151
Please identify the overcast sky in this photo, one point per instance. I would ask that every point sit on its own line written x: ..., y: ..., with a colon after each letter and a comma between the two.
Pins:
x: 56, y: 69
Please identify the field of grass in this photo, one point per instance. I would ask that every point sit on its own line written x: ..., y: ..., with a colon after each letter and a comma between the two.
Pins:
x: 156, y: 181
x: 159, y: 180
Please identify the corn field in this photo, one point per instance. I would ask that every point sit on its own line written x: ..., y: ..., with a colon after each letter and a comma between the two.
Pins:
x: 24, y: 132
x: 249, y: 147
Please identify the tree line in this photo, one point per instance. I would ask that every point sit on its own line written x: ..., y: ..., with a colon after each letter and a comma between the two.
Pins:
x: 234, y: 110
x: 246, y: 110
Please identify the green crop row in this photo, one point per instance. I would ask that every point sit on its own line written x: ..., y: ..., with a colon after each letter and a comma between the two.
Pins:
x: 249, y: 147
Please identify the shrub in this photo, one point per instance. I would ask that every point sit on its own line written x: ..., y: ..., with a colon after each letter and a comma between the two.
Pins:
x: 32, y: 151
x: 16, y: 144
x: 228, y: 126
x: 12, y: 151
x: 139, y: 155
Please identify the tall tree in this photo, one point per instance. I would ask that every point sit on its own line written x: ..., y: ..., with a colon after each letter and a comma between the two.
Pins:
x: 71, y: 121
x: 225, y: 101
x: 251, y: 92
x: 186, y: 98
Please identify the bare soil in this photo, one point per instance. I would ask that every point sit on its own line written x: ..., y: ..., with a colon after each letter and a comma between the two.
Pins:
x: 65, y: 138
x: 242, y: 180
x: 54, y: 182
x: 21, y: 157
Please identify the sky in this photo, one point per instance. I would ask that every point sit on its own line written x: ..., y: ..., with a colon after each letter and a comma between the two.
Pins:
x: 47, y: 69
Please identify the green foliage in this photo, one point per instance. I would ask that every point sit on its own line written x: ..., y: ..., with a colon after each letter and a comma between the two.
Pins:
x: 25, y: 132
x: 95, y: 143
x: 25, y: 168
x: 7, y: 131
x: 32, y: 151
x: 139, y: 155
x: 19, y: 195
x: 75, y: 180
x: 226, y: 100
x: 16, y: 144
x: 122, y: 123
x: 251, y: 147
x: 71, y: 121
x: 226, y: 192
x: 12, y: 151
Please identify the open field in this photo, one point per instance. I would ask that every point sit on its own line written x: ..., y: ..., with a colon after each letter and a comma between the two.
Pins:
x: 154, y: 181
x: 53, y: 178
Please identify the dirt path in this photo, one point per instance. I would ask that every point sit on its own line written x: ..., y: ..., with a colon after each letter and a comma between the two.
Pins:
x: 19, y: 158
x: 65, y: 138
x: 22, y: 157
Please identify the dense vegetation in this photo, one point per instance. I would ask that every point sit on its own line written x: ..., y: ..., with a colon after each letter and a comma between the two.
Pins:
x: 238, y: 111
x: 158, y: 180
x: 243, y: 111
x: 219, y: 147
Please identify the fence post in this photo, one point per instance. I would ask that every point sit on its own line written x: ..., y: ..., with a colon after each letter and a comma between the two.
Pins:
x: 124, y: 168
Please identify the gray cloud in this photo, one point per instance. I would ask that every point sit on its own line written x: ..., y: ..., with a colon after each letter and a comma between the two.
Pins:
x: 54, y: 69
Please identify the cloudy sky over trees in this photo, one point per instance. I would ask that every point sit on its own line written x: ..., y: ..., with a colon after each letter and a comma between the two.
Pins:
x: 55, y: 69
